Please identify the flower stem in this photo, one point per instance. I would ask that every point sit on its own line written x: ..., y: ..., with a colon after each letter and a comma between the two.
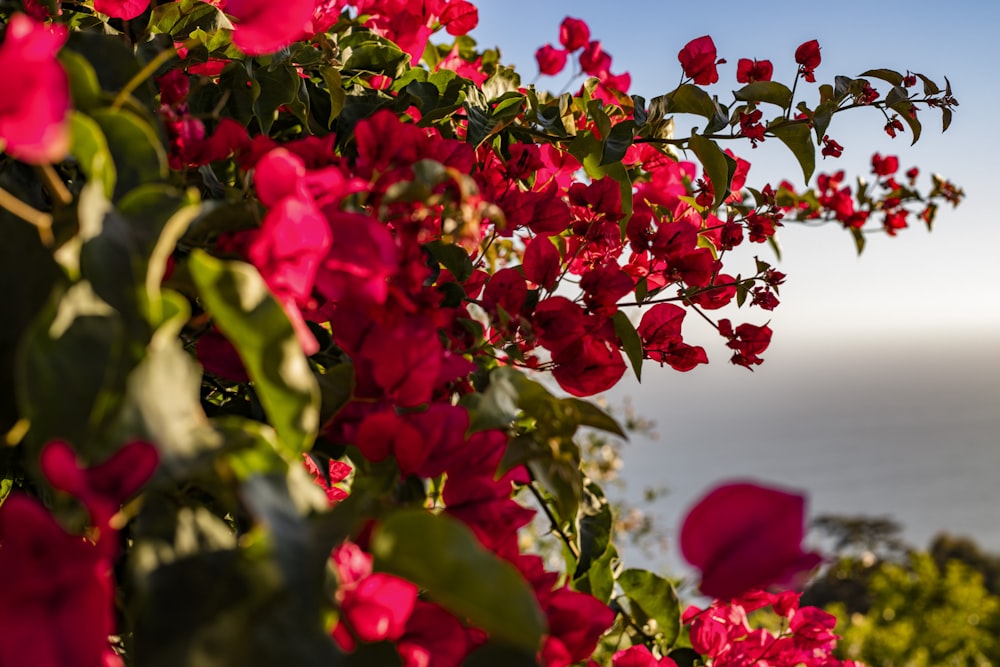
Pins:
x: 137, y: 80
x: 54, y: 185
x: 43, y: 221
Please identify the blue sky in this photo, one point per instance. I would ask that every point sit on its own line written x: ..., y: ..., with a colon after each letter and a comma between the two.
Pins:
x: 880, y: 392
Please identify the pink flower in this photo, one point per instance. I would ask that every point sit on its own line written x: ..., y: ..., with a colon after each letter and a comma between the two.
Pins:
x: 639, y: 656
x: 459, y: 17
x: 102, y: 488
x: 551, y: 60
x: 121, y: 9
x: 264, y: 26
x: 698, y: 58
x: 594, y: 60
x: 660, y: 332
x: 56, y: 592
x: 35, y: 103
x: 375, y: 606
x: 808, y: 58
x: 293, y: 238
x: 748, y: 71
x: 743, y: 536
x: 573, y: 34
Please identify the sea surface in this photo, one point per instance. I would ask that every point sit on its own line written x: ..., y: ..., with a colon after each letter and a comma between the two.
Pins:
x: 907, y: 429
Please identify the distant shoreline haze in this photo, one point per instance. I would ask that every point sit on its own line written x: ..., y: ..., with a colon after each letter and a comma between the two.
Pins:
x: 904, y: 427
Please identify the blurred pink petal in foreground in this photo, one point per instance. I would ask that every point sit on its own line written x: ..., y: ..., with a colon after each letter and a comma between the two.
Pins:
x: 34, y: 106
x: 743, y: 536
x: 264, y: 26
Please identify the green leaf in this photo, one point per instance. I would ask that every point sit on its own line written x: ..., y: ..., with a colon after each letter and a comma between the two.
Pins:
x: 332, y: 80
x: 243, y: 91
x: 135, y: 146
x: 84, y: 87
x: 442, y: 556
x: 336, y: 386
x: 28, y: 275
x: 859, y: 239
x: 685, y: 657
x: 716, y: 166
x: 367, y: 52
x: 90, y: 149
x: 586, y: 413
x: 254, y: 606
x: 379, y: 653
x: 505, y: 80
x: 180, y: 19
x: 896, y: 95
x: 278, y: 87
x: 497, y: 406
x: 163, y: 398
x: 158, y: 216
x: 796, y: 137
x: 903, y: 109
x: 72, y: 371
x: 258, y: 328
x: 631, y: 342
x: 945, y: 119
x: 821, y: 118
x: 113, y: 62
x: 618, y: 141
x: 893, y: 77
x: 639, y: 109
x: 772, y: 241
x: 452, y: 257
x: 599, y: 581
x: 593, y: 532
x: 930, y: 88
x: 771, y: 92
x: 498, y: 655
x: 559, y: 475
x: 657, y: 599
x: 690, y: 98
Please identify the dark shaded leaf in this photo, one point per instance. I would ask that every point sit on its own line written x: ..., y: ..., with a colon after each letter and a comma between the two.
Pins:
x: 452, y: 257
x: 715, y: 164
x: 278, y: 87
x: 135, y: 147
x: 498, y: 655
x: 903, y: 109
x: 893, y: 77
x: 90, y: 149
x: 618, y: 141
x: 771, y: 92
x: 797, y: 138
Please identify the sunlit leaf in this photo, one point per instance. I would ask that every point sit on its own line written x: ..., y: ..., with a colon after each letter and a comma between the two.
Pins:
x: 657, y: 599
x: 443, y: 557
x: 257, y: 326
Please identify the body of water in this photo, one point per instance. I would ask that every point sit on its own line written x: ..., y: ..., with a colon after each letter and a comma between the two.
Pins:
x: 908, y: 430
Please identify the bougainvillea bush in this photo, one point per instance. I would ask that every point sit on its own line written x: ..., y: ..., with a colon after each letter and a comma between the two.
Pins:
x: 304, y: 302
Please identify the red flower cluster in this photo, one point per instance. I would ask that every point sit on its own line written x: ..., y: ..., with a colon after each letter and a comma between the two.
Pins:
x: 723, y: 633
x: 574, y: 35
x: 421, y: 250
x: 57, y: 589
